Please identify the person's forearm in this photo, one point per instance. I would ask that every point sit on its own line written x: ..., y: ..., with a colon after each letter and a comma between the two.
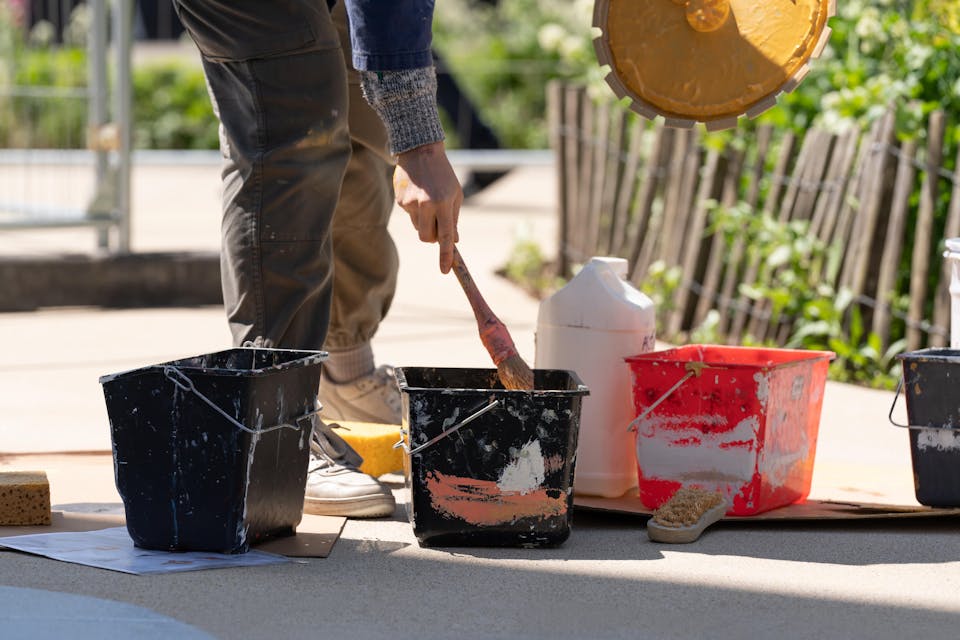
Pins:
x: 391, y: 49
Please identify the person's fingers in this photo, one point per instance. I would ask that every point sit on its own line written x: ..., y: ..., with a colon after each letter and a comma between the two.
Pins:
x: 456, y: 217
x: 428, y: 190
x: 427, y: 222
x: 446, y: 234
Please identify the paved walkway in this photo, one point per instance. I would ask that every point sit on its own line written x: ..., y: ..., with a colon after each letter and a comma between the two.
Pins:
x: 878, y: 579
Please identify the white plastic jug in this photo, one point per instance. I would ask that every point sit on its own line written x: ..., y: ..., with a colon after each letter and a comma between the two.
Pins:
x: 589, y: 327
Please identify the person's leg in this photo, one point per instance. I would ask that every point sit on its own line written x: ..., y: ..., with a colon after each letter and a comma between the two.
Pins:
x: 365, y: 273
x: 277, y: 79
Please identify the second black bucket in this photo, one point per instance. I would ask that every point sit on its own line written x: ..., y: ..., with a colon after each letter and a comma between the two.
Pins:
x: 931, y: 381
x: 211, y: 452
x: 488, y: 466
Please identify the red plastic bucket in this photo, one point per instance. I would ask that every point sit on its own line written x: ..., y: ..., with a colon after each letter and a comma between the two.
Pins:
x: 742, y: 421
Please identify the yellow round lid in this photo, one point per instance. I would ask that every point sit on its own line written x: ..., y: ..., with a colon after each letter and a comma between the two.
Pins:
x: 708, y: 60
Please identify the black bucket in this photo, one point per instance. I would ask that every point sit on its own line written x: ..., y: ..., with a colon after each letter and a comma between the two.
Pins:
x: 931, y: 381
x: 487, y: 466
x: 211, y: 452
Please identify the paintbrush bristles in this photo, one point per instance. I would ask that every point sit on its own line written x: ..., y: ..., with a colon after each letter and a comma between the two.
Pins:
x: 515, y: 374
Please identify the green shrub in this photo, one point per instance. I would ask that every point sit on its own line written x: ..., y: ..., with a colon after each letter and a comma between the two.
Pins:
x: 55, y: 118
x: 171, y: 107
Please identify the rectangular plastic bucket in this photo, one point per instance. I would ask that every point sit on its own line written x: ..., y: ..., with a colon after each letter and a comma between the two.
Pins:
x: 738, y: 420
x: 487, y: 466
x: 931, y: 380
x: 211, y: 452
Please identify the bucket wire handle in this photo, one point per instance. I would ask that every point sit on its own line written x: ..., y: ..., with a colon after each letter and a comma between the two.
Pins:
x: 946, y: 427
x: 180, y: 379
x: 894, y: 405
x: 443, y: 434
x: 693, y: 369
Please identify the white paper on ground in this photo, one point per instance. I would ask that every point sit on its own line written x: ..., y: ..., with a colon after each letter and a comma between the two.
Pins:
x: 114, y: 550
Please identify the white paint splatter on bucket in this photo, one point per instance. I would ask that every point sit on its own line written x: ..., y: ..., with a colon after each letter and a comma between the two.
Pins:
x: 939, y: 439
x: 526, y: 472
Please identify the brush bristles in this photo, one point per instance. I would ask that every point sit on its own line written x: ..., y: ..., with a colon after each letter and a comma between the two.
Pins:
x: 686, y: 507
x: 515, y: 374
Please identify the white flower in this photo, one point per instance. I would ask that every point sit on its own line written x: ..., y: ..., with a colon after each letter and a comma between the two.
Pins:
x: 868, y: 26
x: 571, y: 46
x: 899, y: 29
x: 583, y: 10
x: 851, y: 10
x: 917, y: 55
x: 550, y: 36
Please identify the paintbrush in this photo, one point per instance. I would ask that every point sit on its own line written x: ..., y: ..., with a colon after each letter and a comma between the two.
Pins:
x: 512, y: 370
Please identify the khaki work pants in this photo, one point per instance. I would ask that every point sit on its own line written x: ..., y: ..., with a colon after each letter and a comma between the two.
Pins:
x: 306, y: 261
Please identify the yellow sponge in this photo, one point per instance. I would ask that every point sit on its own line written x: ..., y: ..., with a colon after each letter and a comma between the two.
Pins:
x: 24, y: 498
x: 375, y: 443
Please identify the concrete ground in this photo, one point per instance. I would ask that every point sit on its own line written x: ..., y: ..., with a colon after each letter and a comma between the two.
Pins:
x: 868, y: 579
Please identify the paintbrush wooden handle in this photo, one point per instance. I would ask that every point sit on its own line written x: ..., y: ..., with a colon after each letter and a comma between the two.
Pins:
x: 481, y: 311
x: 493, y: 333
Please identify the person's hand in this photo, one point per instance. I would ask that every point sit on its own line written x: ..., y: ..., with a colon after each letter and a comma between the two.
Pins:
x: 427, y: 188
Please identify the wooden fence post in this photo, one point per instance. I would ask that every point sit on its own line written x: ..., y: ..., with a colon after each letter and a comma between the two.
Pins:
x: 556, y: 113
x: 613, y: 175
x: 628, y: 187
x: 922, y: 238
x: 942, y: 303
x: 693, y: 240
x: 871, y: 196
x: 893, y: 245
x: 648, y: 225
x: 760, y: 308
x: 574, y: 149
x: 718, y: 252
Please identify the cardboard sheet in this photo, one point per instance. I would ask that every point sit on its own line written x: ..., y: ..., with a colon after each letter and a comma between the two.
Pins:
x: 629, y: 504
x: 315, y: 537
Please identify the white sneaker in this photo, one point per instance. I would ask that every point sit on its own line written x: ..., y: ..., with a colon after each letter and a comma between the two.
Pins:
x: 335, y: 487
x: 371, y: 398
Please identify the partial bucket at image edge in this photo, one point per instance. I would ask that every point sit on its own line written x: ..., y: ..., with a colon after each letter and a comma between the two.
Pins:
x: 931, y: 381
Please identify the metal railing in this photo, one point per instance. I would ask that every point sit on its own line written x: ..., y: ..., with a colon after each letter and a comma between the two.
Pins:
x: 57, y: 188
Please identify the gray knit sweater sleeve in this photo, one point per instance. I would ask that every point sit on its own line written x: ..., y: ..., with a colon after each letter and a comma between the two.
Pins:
x: 406, y: 101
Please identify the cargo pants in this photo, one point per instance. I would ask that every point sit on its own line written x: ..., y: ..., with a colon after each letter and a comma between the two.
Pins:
x: 306, y: 261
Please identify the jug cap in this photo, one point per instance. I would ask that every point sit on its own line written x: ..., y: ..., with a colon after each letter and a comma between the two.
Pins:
x: 618, y: 265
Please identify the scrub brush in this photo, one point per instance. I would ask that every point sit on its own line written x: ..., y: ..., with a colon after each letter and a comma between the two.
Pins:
x: 685, y: 515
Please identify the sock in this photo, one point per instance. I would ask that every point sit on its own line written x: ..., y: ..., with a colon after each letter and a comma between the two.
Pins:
x: 345, y: 365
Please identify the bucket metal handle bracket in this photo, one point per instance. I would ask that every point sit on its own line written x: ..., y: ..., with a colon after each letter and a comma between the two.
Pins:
x: 693, y: 369
x: 443, y: 434
x: 183, y: 382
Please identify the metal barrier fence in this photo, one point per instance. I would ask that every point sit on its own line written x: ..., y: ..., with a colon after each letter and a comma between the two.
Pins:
x: 44, y: 182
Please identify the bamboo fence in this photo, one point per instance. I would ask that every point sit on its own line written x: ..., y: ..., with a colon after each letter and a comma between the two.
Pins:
x: 642, y: 191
